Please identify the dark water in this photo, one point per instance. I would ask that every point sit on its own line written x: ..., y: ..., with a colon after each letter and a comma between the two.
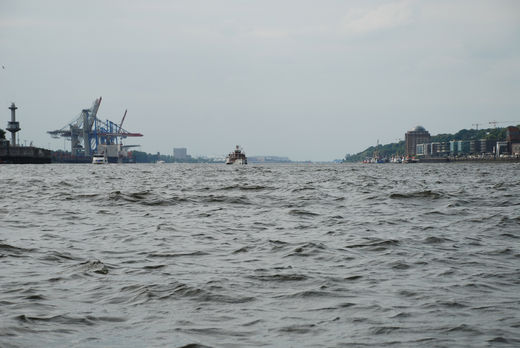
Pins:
x: 253, y: 256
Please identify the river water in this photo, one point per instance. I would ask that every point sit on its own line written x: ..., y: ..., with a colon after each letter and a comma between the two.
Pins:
x: 260, y: 255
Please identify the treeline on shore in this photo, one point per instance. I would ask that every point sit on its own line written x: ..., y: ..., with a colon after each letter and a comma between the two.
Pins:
x: 398, y: 149
x: 143, y: 157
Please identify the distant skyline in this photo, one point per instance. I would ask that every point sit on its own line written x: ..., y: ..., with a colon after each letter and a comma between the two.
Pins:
x: 302, y: 79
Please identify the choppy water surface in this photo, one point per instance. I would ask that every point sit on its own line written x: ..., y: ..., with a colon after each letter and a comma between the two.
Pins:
x: 276, y: 256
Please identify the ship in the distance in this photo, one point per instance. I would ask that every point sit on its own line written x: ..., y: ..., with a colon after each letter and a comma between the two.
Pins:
x: 236, y: 157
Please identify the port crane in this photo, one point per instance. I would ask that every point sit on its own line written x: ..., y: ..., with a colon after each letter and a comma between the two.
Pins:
x: 494, y: 123
x: 87, y: 132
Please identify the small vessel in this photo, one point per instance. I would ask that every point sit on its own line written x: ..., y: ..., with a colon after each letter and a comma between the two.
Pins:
x: 99, y: 159
x: 236, y: 157
x: 409, y: 159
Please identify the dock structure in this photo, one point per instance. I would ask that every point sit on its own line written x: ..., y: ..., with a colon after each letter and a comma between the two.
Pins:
x: 16, y: 154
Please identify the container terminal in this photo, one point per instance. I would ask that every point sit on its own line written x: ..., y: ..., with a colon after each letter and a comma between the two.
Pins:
x: 89, y: 136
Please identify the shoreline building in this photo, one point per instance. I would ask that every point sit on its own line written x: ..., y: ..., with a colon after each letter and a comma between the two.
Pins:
x: 513, y: 139
x: 180, y: 153
x: 475, y: 148
x: 418, y: 135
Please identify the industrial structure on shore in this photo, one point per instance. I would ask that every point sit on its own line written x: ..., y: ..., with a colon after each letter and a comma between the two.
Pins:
x: 12, y: 152
x: 89, y: 135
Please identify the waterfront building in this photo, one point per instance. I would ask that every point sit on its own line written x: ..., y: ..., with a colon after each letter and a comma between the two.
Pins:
x: 453, y: 148
x: 436, y: 149
x: 486, y: 146
x: 464, y: 148
x: 474, y: 147
x: 420, y: 149
x: 418, y: 135
x: 513, y: 134
x: 502, y: 148
x: 180, y: 153
x: 513, y: 138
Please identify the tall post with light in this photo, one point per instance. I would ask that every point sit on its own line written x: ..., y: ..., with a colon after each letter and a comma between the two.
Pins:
x: 13, y: 126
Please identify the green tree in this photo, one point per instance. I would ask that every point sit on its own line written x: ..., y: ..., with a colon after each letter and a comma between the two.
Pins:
x: 2, y: 134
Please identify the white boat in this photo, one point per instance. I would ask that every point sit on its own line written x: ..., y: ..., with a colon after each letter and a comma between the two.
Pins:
x: 236, y: 157
x: 99, y: 159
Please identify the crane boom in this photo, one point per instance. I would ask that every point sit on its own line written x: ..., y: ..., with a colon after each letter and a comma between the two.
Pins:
x: 123, y: 120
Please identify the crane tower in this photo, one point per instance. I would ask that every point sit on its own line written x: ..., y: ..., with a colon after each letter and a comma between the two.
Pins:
x: 89, y: 135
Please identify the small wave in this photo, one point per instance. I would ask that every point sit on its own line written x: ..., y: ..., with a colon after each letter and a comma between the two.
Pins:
x: 253, y: 322
x: 215, y: 332
x: 436, y: 240
x: 86, y: 195
x: 61, y: 319
x: 354, y: 277
x: 506, y: 221
x: 300, y: 212
x: 384, y: 330
x: 310, y: 294
x: 376, y: 245
x: 195, y: 253
x: 91, y: 266
x: 277, y: 242
x: 299, y: 329
x: 59, y: 256
x: 68, y: 320
x: 9, y: 250
x: 244, y: 249
x: 278, y: 245
x: 131, y: 197
x: 280, y: 277
x: 509, y: 235
x: 308, y: 249
x: 407, y: 293
x: 146, y: 198
x: 400, y: 265
x: 141, y: 294
x: 244, y: 188
x: 418, y: 194
x: 498, y: 339
x: 452, y: 304
x: 35, y: 297
x: 154, y: 267
x: 401, y: 315
x: 242, y: 200
x: 463, y: 328
x: 194, y: 345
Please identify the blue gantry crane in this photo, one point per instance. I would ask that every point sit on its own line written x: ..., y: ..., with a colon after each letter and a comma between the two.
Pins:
x: 89, y: 135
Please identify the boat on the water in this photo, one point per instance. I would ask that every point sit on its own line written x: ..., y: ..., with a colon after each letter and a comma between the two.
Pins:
x: 409, y: 159
x: 236, y: 157
x: 99, y: 159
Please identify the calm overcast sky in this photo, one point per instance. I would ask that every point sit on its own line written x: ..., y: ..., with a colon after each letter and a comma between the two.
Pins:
x: 311, y: 80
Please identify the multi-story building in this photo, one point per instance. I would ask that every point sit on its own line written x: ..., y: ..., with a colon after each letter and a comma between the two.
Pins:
x: 513, y: 138
x: 418, y: 135
x: 487, y: 146
x: 180, y: 153
x: 437, y: 149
